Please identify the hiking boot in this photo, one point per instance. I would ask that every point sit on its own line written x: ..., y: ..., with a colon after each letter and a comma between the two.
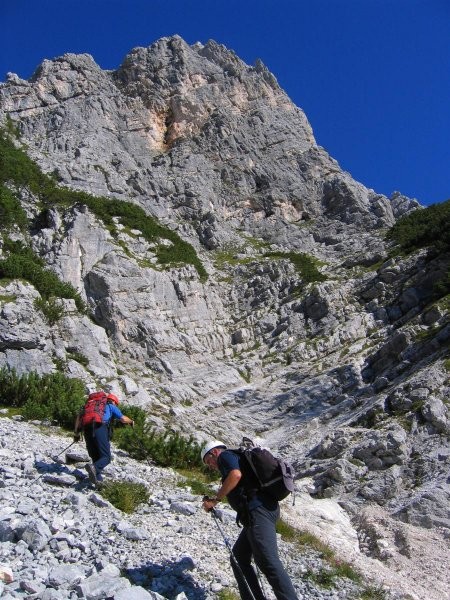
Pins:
x: 91, y: 473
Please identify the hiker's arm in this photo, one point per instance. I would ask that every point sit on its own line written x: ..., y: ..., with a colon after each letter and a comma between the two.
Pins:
x: 77, y: 429
x: 231, y: 481
x: 126, y: 420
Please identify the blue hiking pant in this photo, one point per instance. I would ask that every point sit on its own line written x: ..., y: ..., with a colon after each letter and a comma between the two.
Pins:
x: 259, y: 540
x: 98, y: 446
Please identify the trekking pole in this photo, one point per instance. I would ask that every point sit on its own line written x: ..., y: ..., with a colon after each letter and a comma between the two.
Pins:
x: 233, y: 558
x: 65, y: 449
x: 54, y: 458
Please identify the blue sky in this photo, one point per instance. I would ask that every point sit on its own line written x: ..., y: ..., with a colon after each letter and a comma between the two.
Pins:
x: 373, y: 76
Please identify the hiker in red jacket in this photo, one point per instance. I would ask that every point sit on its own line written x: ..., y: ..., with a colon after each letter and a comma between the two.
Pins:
x: 94, y: 421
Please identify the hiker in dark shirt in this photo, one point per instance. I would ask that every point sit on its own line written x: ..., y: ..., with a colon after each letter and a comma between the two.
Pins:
x: 258, y: 514
x: 97, y: 435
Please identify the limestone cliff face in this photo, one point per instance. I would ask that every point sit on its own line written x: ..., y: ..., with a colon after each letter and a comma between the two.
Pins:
x: 191, y: 133
x: 215, y: 150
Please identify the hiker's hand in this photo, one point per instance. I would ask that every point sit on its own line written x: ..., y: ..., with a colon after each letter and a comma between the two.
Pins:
x: 76, y: 437
x: 209, y: 503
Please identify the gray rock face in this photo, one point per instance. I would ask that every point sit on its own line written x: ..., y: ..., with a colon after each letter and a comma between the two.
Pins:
x: 380, y: 450
x: 35, y: 533
x: 435, y: 412
x: 99, y: 586
x: 429, y: 510
x: 348, y: 376
x: 65, y: 576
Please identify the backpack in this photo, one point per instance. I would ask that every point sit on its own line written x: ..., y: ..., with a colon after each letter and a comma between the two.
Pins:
x: 265, y: 472
x: 94, y: 409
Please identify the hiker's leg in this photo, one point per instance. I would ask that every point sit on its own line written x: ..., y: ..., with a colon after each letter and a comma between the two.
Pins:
x: 104, y: 449
x: 244, y: 571
x: 91, y: 443
x: 263, y: 539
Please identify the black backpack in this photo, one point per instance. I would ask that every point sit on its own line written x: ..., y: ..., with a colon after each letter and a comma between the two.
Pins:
x: 265, y: 472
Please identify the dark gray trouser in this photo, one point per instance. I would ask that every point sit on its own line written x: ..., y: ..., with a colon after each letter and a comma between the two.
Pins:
x: 259, y: 540
x: 98, y: 447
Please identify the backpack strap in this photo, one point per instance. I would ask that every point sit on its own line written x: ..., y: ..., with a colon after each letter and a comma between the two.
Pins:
x: 250, y: 481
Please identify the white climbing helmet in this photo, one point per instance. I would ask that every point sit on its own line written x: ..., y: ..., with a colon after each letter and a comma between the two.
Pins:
x: 209, y: 446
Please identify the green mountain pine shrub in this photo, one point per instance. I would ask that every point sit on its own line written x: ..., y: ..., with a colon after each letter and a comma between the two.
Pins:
x: 51, y: 397
x: 429, y: 227
x: 421, y: 228
x: 22, y: 263
x: 17, y: 167
x: 11, y: 211
x: 57, y: 398
x: 51, y: 308
x: 164, y: 448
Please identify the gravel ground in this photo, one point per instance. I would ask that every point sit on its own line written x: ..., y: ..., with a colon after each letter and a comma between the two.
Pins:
x: 169, y: 546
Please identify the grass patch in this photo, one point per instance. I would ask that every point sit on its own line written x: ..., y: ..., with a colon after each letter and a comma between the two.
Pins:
x: 246, y: 375
x: 7, y: 298
x: 257, y: 243
x: 337, y: 568
x: 79, y: 358
x: 304, y: 538
x: 326, y: 577
x: 345, y: 570
x: 372, y: 593
x: 124, y: 495
x: 305, y: 265
x: 227, y: 594
x: 199, y: 479
x: 322, y: 578
x: 228, y: 256
x: 11, y: 411
x: 427, y: 334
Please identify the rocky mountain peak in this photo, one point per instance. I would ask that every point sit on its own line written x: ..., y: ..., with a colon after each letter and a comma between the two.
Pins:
x: 201, y: 107
x: 67, y: 77
x: 192, y: 84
